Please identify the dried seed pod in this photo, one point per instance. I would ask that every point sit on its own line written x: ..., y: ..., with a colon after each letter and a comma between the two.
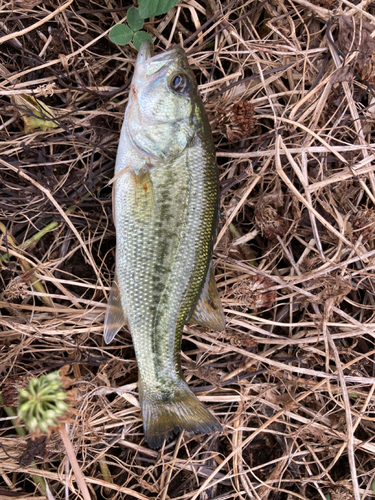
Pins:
x: 242, y: 341
x: 16, y: 289
x: 363, y: 224
x: 253, y: 293
x: 270, y: 222
x: 10, y: 390
x: 237, y: 122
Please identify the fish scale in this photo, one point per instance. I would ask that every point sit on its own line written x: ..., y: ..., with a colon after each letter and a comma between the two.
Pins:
x: 166, y: 208
x: 142, y: 261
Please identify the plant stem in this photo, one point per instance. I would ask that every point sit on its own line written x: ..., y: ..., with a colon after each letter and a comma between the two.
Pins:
x: 247, y: 252
x: 80, y: 478
x: 38, y: 480
x: 11, y: 413
x: 36, y: 237
x: 104, y: 469
x: 26, y: 267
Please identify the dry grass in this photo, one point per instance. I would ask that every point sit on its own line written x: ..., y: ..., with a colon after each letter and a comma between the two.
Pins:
x: 292, y: 378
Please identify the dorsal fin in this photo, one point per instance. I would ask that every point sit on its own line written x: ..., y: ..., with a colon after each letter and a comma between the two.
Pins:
x: 208, y: 311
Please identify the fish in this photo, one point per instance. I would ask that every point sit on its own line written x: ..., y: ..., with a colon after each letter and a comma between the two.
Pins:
x: 166, y: 209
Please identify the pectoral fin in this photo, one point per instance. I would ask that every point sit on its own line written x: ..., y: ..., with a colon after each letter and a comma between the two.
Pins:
x: 208, y: 311
x: 143, y: 194
x: 114, y: 316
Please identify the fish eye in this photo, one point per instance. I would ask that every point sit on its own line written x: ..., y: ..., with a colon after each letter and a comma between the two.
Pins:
x: 179, y: 83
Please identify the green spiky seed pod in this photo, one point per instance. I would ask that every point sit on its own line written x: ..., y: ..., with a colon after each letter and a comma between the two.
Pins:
x: 43, y: 403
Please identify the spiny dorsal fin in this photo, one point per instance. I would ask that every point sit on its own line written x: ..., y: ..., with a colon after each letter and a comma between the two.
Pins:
x: 114, y: 316
x: 208, y: 311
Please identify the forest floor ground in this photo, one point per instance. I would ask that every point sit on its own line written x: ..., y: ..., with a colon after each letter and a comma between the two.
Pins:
x: 288, y: 86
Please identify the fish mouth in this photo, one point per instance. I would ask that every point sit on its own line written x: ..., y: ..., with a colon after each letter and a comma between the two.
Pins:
x: 146, y: 51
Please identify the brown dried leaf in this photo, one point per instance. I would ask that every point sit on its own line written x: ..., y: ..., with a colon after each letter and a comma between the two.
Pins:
x: 35, y: 448
x: 343, y: 74
x: 355, y: 35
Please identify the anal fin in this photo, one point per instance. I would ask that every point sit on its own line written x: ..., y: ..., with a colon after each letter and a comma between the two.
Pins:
x: 114, y: 318
x: 208, y: 311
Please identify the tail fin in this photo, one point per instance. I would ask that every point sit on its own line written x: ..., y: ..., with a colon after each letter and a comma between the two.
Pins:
x: 164, y: 416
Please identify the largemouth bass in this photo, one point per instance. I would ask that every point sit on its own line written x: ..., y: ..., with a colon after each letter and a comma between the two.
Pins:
x: 166, y: 204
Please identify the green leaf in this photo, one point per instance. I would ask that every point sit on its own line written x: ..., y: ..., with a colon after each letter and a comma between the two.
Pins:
x: 151, y: 8
x: 134, y: 20
x: 140, y: 37
x: 121, y: 34
x: 34, y: 113
x: 147, y: 8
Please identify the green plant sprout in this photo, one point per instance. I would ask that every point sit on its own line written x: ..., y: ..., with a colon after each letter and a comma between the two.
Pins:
x: 44, y: 407
x: 43, y: 403
x: 122, y: 34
